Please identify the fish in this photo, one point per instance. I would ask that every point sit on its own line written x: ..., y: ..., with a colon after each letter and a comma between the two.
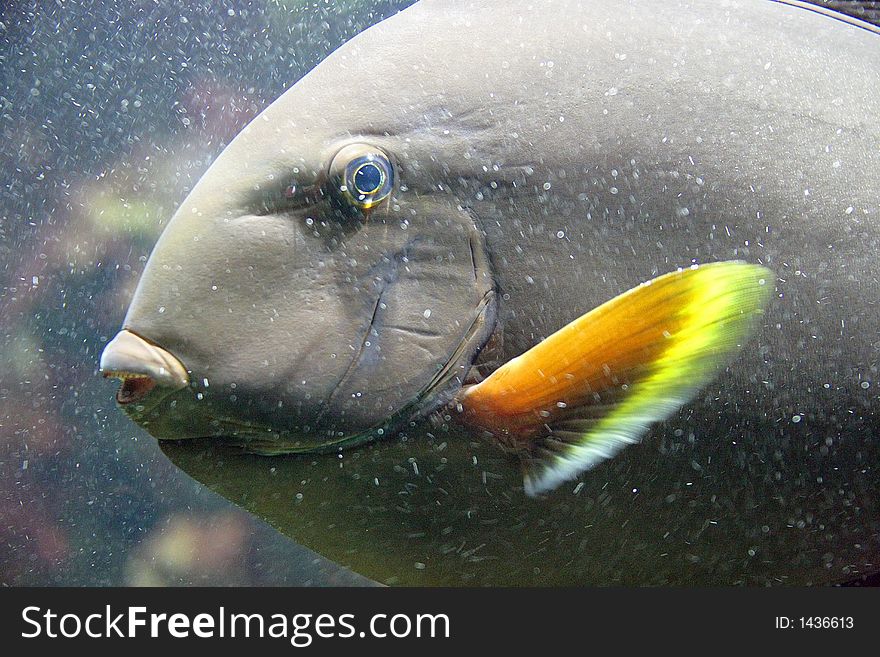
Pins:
x: 413, y: 312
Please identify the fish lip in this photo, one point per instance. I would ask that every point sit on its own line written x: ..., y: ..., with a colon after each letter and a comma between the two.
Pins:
x: 142, y: 366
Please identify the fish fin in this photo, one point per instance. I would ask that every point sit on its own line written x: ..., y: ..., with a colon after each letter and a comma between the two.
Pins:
x: 598, y: 383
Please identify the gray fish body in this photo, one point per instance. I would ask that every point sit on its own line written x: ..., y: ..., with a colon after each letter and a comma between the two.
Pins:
x: 547, y: 157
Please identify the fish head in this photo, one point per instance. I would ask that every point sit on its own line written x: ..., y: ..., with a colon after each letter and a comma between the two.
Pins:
x: 320, y: 283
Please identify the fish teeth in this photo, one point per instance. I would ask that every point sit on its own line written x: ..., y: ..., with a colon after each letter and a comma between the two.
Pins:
x: 124, y: 376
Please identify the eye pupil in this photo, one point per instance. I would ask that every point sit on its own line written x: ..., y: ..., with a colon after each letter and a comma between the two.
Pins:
x: 368, y: 178
x: 363, y: 175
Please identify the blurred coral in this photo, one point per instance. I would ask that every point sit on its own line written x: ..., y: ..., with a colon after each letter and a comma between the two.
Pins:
x: 197, y: 551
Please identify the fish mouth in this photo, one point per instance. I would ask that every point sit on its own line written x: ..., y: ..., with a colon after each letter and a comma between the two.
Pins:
x: 142, y: 367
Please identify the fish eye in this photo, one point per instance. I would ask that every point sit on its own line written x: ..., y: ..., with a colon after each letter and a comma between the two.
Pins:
x: 363, y: 175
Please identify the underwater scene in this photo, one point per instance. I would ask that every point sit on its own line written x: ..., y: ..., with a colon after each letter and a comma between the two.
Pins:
x: 447, y: 293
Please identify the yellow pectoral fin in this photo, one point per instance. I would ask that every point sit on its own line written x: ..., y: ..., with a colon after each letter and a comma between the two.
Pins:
x: 598, y: 383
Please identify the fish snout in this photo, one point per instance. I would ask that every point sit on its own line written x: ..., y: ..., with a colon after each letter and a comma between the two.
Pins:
x: 141, y: 366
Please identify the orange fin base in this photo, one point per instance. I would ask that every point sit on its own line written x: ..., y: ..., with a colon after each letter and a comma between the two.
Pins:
x: 598, y: 383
